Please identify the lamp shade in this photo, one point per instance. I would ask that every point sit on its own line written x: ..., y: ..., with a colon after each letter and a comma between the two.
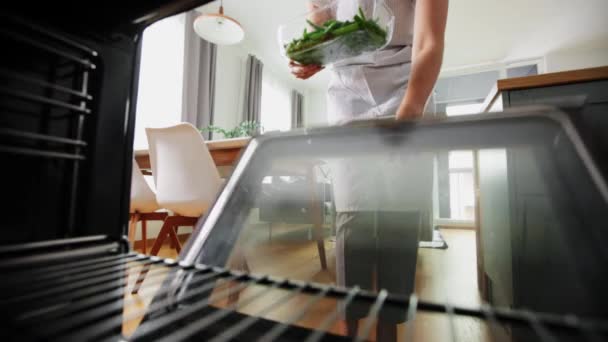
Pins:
x: 218, y: 28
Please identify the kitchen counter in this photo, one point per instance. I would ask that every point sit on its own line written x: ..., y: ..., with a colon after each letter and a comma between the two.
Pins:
x: 544, y: 80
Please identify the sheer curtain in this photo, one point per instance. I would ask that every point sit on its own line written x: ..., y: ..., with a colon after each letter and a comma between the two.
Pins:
x: 297, y: 109
x: 253, y: 87
x: 276, y: 104
x: 199, y: 78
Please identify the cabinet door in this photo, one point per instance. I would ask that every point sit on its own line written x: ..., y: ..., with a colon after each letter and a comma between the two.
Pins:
x: 593, y: 123
x: 591, y: 120
x: 550, y: 242
x: 595, y: 92
x: 495, y: 226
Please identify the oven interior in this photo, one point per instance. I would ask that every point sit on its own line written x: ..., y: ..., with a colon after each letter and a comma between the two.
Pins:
x: 66, y: 135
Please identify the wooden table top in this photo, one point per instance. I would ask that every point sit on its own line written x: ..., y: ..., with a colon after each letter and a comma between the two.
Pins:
x: 224, y: 152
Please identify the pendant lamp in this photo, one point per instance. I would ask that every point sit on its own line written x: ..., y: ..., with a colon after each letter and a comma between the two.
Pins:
x: 218, y: 28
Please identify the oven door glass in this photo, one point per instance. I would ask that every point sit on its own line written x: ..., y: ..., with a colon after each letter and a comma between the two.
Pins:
x: 358, y: 206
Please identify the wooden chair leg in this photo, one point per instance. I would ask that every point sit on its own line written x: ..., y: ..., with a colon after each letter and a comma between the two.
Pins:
x: 321, y: 248
x: 240, y: 263
x: 132, y: 227
x: 176, y: 244
x: 171, y: 243
x: 167, y: 230
x: 158, y: 242
x: 144, y: 234
x: 317, y: 217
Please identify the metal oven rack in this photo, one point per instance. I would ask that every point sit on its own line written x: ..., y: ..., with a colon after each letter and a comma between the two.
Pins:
x: 46, y: 102
x: 75, y: 290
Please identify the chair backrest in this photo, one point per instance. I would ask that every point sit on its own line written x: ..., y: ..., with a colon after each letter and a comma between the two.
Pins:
x: 186, y: 177
x: 143, y: 199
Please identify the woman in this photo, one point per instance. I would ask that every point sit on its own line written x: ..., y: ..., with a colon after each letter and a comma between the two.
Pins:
x: 380, y: 209
x: 399, y: 78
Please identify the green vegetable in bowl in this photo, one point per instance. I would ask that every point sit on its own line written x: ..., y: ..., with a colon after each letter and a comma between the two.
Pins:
x: 335, y: 40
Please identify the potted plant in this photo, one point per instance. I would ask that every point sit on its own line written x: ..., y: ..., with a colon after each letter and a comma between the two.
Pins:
x: 244, y: 129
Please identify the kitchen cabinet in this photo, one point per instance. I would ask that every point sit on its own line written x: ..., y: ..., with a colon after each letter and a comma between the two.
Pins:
x: 581, y: 93
x: 591, y: 117
x: 529, y: 244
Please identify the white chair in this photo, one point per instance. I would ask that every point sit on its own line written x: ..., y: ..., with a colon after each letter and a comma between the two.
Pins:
x: 143, y: 206
x: 186, y: 177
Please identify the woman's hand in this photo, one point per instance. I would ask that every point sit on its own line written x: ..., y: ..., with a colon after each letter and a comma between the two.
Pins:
x: 409, y: 112
x: 304, y: 72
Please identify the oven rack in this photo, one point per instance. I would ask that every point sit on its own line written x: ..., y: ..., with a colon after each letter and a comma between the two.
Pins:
x: 48, y: 103
x: 46, y: 90
x: 75, y: 290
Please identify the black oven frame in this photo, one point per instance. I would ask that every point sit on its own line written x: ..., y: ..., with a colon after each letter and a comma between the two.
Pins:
x: 71, y: 153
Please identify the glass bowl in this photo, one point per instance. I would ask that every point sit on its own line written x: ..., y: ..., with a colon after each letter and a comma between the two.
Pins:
x: 340, y: 30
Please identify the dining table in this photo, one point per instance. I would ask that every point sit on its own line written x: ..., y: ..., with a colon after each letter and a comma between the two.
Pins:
x: 225, y: 153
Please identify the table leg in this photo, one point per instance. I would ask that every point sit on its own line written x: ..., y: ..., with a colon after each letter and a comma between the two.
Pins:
x: 316, y: 210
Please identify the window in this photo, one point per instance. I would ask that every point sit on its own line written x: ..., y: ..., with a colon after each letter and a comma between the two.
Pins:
x: 463, y: 109
x: 463, y: 92
x: 522, y: 71
x: 462, y: 190
x: 276, y: 104
x: 159, y: 100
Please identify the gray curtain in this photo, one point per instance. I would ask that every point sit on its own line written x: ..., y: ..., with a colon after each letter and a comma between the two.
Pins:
x: 198, y: 97
x: 253, y: 89
x: 297, y: 107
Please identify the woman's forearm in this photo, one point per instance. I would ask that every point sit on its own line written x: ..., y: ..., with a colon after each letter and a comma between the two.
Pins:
x: 427, y: 55
x: 425, y: 70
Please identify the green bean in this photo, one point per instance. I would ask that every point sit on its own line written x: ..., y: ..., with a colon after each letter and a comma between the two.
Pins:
x: 329, y: 22
x: 346, y: 29
x: 315, y: 26
x: 361, y: 14
x: 331, y: 27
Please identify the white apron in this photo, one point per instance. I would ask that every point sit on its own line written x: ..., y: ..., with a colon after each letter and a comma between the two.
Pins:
x: 373, y: 84
x: 367, y: 87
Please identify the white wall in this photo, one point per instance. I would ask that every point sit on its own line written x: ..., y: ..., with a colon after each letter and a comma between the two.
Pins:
x: 571, y: 59
x: 230, y: 82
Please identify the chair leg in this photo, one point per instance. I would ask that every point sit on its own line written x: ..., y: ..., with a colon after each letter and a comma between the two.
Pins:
x: 171, y: 243
x: 175, y: 240
x: 144, y: 218
x: 158, y: 242
x: 240, y: 263
x: 132, y: 227
x: 317, y: 217
x: 318, y: 233
x: 167, y: 230
x: 144, y: 234
x: 321, y: 248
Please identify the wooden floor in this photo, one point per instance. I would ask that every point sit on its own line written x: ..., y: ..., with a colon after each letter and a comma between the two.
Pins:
x: 441, y: 274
